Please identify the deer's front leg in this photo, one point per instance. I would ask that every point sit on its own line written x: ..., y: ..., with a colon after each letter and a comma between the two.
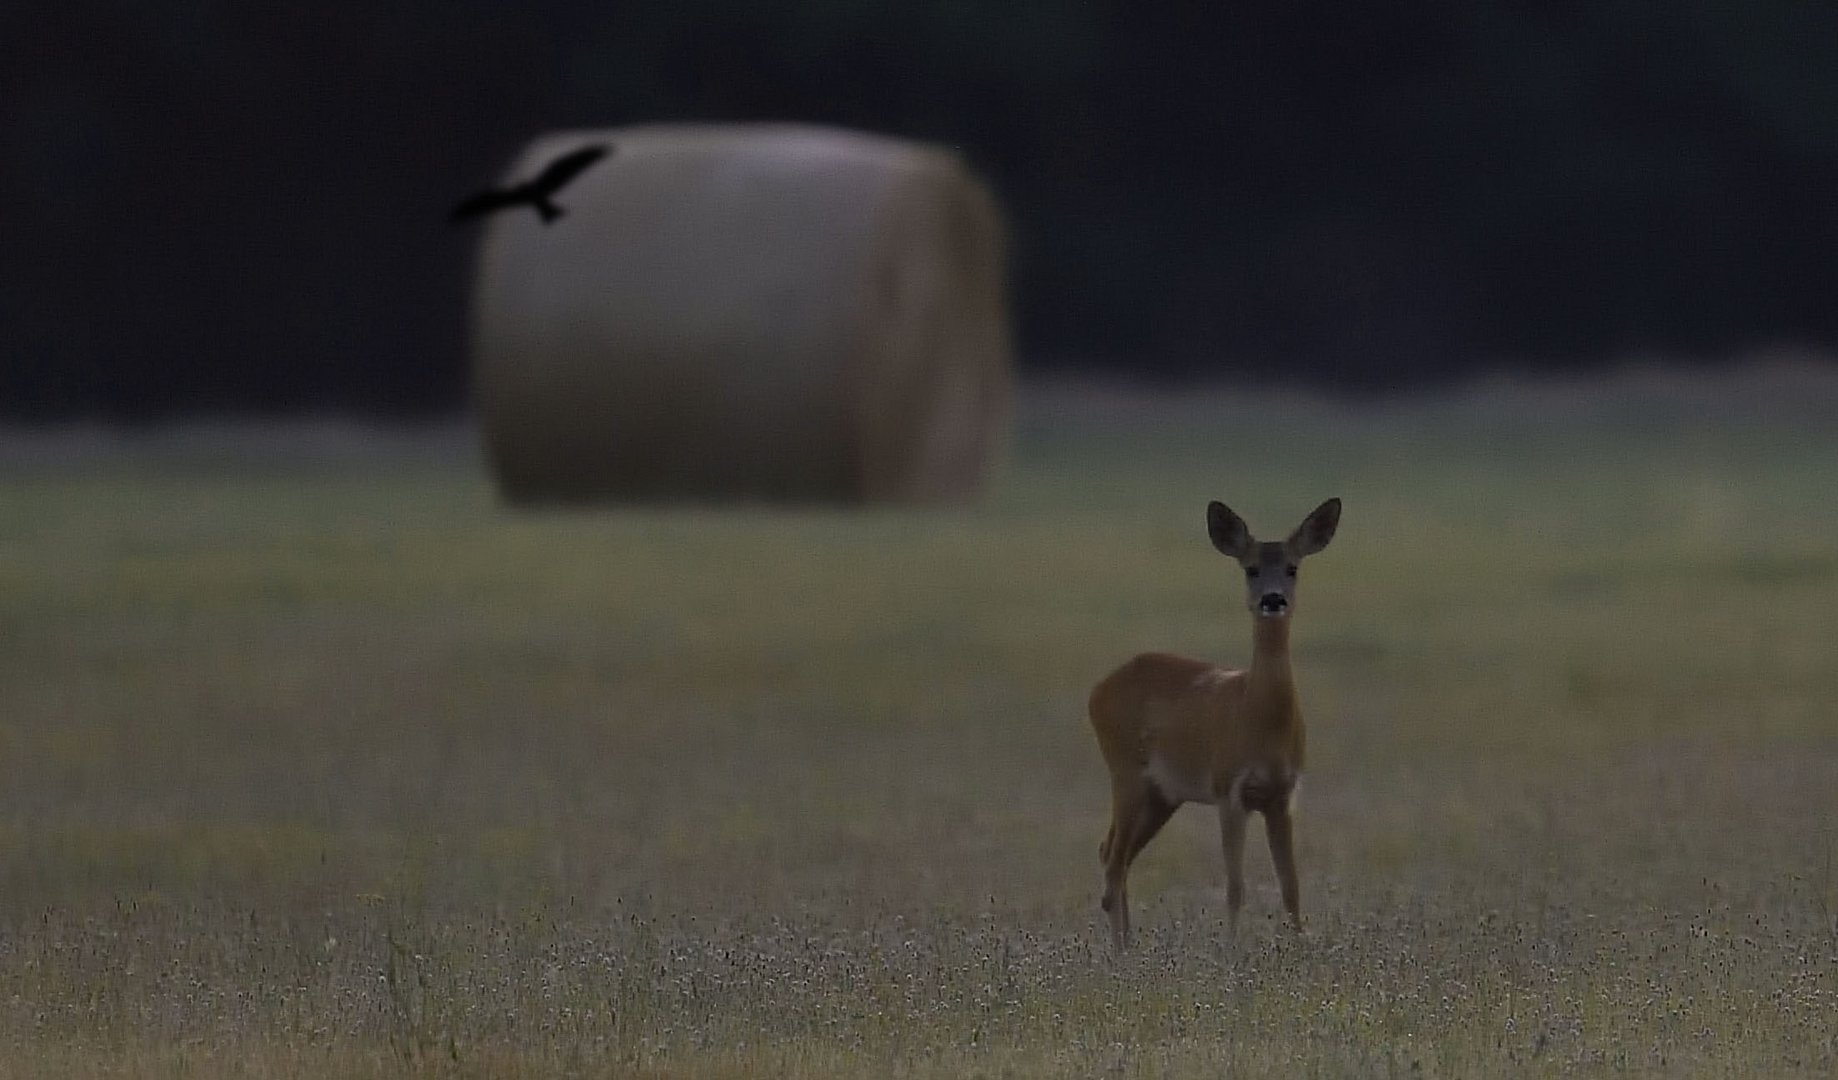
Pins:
x: 1231, y: 837
x: 1278, y: 825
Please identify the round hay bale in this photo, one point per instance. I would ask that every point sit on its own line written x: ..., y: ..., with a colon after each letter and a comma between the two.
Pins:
x: 764, y: 312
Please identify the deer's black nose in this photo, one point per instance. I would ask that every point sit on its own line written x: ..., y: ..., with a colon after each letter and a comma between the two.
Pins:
x: 1273, y: 603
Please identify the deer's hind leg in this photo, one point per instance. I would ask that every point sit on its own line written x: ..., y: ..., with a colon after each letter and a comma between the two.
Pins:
x: 1138, y: 812
x: 1156, y: 811
x: 1115, y: 852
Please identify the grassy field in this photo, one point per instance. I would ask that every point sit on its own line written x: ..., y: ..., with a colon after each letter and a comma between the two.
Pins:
x: 316, y: 761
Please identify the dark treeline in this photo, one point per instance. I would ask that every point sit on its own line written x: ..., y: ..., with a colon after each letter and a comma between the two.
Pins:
x: 216, y: 206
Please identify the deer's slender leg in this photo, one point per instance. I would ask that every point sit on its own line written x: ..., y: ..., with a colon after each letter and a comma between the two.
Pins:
x: 1116, y: 903
x: 1231, y: 836
x: 1279, y: 828
x: 1139, y: 814
x: 1155, y: 812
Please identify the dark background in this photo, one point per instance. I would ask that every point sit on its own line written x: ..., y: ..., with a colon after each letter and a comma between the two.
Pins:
x: 228, y: 206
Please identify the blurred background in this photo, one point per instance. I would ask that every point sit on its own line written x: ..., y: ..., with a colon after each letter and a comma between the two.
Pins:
x: 213, y: 208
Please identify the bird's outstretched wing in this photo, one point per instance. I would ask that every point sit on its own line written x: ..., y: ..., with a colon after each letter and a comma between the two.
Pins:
x: 486, y: 201
x: 567, y: 167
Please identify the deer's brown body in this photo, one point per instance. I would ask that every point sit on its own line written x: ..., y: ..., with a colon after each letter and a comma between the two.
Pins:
x: 1175, y: 730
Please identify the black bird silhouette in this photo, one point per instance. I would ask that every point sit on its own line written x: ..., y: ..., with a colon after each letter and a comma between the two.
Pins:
x: 537, y: 192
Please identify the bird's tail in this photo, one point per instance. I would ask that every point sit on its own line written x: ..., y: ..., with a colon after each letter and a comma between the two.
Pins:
x: 548, y: 210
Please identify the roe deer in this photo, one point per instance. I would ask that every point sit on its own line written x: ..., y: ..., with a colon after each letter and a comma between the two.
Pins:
x: 1175, y: 730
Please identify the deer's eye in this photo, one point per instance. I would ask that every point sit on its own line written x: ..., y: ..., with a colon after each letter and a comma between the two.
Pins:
x: 1250, y: 571
x: 1292, y: 571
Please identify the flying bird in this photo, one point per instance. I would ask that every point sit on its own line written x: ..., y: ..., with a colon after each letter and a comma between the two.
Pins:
x: 538, y: 192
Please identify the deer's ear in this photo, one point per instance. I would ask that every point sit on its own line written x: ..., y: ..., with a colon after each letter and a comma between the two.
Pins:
x: 1316, y: 529
x: 1227, y: 530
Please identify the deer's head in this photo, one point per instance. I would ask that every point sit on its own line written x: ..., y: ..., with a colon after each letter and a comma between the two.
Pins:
x: 1270, y: 567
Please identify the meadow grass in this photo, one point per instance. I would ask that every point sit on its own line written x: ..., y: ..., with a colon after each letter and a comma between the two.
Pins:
x: 314, y: 760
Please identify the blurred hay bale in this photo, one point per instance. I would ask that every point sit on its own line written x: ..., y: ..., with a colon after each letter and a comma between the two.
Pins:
x: 771, y: 312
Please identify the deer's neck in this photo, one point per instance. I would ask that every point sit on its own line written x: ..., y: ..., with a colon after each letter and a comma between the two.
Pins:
x: 1270, y: 684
